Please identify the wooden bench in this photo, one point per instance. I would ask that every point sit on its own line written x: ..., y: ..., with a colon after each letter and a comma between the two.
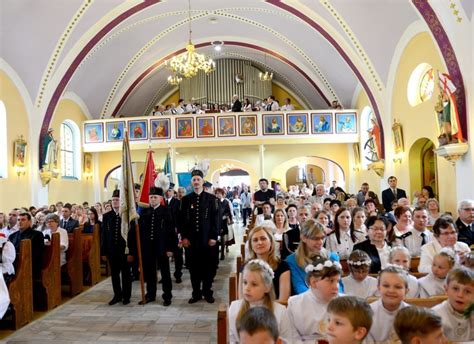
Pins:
x: 91, y: 256
x: 242, y: 251
x: 233, y: 287
x: 49, y: 284
x: 222, y: 325
x: 428, y: 302
x: 72, y: 270
x: 415, y: 261
x: 21, y: 287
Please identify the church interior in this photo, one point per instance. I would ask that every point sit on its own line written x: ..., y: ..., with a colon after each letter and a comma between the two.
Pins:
x: 364, y: 90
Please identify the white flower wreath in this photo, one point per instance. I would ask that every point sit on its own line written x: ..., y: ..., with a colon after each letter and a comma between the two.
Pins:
x: 320, y: 267
x: 360, y: 262
x: 264, y: 265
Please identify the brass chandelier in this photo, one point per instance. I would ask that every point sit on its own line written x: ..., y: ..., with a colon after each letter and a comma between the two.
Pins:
x: 189, y: 63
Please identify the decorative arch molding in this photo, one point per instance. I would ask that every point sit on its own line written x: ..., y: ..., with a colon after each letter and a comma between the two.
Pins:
x: 157, y: 64
x: 78, y: 100
x: 449, y: 56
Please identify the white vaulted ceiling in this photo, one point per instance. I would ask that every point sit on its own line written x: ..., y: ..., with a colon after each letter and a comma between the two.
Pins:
x: 41, y: 38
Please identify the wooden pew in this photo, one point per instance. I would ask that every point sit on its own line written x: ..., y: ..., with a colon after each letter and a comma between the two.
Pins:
x: 345, y: 267
x: 415, y: 261
x: 91, y: 256
x: 72, y: 270
x: 21, y: 287
x: 428, y: 302
x: 233, y: 287
x: 242, y: 251
x: 222, y: 324
x: 50, y: 281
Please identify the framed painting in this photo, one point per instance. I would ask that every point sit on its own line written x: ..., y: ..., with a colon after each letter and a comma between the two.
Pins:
x: 397, y: 138
x: 205, y: 126
x: 19, y: 152
x: 346, y: 123
x: 160, y: 128
x: 321, y: 123
x: 248, y: 125
x: 273, y: 124
x: 93, y: 132
x: 114, y: 131
x: 184, y: 128
x: 226, y: 126
x: 297, y: 123
x: 138, y: 130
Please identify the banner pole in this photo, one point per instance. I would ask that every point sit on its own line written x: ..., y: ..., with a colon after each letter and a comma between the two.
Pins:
x: 140, y: 261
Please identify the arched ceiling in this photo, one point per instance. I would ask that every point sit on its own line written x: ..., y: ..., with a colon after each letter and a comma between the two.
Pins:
x: 40, y: 39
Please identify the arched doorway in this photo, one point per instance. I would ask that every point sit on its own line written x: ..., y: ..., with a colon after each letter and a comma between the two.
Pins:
x: 305, y: 174
x: 422, y: 160
x: 113, y: 177
x: 234, y: 177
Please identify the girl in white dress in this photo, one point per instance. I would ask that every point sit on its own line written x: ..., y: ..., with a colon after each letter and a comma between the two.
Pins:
x: 359, y: 283
x: 434, y: 283
x: 257, y: 290
x: 393, y: 287
x: 400, y: 256
x: 307, y: 312
x: 344, y: 237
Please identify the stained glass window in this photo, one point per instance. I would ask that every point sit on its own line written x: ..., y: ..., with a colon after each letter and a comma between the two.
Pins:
x: 67, y: 151
x: 426, y: 85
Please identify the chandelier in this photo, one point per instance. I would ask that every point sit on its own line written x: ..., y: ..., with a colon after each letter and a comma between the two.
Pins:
x: 265, y: 76
x: 189, y: 63
x: 174, y: 79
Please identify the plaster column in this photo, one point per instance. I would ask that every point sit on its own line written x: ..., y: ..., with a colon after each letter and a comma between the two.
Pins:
x: 172, y: 151
x: 96, y: 182
x: 261, y: 151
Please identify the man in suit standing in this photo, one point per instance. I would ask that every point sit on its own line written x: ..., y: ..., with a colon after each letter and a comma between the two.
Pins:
x: 172, y: 204
x: 236, y: 104
x: 465, y: 222
x: 67, y: 222
x: 157, y: 238
x: 113, y: 248
x: 392, y: 194
x: 198, y: 225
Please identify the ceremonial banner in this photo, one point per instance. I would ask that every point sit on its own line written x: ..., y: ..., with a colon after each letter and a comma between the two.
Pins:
x: 184, y: 180
x: 167, y: 167
x: 128, y: 212
x: 148, y: 180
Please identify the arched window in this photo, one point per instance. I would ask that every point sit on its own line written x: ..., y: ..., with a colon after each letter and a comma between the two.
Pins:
x: 70, y: 150
x: 3, y: 141
x: 421, y: 84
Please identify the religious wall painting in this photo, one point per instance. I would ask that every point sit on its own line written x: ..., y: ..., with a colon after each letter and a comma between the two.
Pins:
x: 93, y: 132
x: 184, y: 128
x: 321, y: 123
x: 205, y: 126
x: 115, y: 131
x: 19, y: 152
x: 226, y: 126
x: 297, y: 123
x: 138, y: 130
x: 273, y: 125
x: 397, y: 138
x: 248, y: 125
x: 346, y: 123
x: 160, y: 128
x: 373, y: 145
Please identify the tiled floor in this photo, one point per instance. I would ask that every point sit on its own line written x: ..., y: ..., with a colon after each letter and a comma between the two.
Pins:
x: 88, y: 319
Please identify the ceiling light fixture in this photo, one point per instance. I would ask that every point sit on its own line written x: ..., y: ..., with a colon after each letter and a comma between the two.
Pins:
x: 217, y: 45
x: 188, y: 64
x: 265, y: 76
x: 174, y: 79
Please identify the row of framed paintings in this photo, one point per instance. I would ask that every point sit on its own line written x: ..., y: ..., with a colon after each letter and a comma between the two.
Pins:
x: 158, y: 128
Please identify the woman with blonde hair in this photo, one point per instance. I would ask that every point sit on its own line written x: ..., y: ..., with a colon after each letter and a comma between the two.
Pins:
x: 310, y: 247
x: 262, y: 245
x: 281, y: 223
x: 432, y: 206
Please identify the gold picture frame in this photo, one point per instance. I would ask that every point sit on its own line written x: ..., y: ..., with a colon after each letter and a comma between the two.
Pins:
x: 19, y: 152
x: 397, y: 138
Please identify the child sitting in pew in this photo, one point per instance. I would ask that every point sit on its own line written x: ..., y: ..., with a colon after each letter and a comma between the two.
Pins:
x: 400, y: 256
x: 419, y: 325
x: 349, y: 321
x: 307, y: 311
x: 434, y: 283
x: 258, y: 326
x: 393, y: 288
x: 460, y: 290
x: 359, y: 283
x: 257, y: 290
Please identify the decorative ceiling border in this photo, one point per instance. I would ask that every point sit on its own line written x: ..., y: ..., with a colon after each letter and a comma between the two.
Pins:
x: 59, y: 48
x: 157, y: 64
x: 77, y: 60
x: 449, y: 56
x: 342, y: 53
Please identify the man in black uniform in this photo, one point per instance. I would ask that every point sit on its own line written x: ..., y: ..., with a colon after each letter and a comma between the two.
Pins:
x: 157, y: 238
x: 198, y: 225
x: 172, y: 204
x: 113, y: 248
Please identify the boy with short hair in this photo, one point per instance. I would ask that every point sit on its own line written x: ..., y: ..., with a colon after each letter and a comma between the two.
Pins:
x: 350, y: 319
x: 460, y: 291
x: 258, y: 326
x: 419, y: 325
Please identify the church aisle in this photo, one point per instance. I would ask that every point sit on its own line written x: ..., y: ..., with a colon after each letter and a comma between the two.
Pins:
x: 88, y: 319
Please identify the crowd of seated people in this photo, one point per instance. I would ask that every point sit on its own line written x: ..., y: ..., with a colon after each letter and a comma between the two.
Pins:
x: 323, y: 231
